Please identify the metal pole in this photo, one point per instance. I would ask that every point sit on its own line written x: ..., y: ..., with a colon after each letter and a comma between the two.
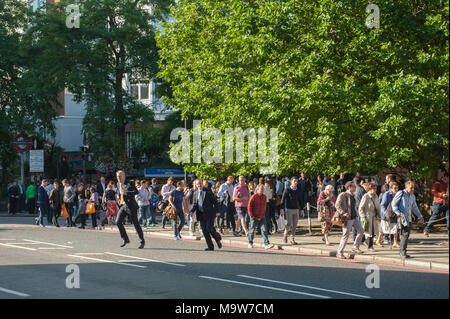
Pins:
x: 308, y: 208
x: 185, y: 173
x: 22, y: 169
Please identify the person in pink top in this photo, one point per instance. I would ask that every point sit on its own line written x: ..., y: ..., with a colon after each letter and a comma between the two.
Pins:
x: 241, y: 197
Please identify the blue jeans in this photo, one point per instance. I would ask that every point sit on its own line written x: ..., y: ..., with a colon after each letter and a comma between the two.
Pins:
x: 50, y: 215
x: 438, y: 209
x: 177, y: 228
x: 152, y: 214
x: 144, y: 215
x: 254, y: 223
x: 43, y: 211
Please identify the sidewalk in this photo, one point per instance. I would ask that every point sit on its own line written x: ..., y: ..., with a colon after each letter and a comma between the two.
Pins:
x: 426, y: 253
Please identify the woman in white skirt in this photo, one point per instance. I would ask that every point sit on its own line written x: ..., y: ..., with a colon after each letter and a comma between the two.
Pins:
x: 388, y: 225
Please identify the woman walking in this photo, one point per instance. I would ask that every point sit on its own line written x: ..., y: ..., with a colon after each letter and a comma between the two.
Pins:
x: 370, y: 212
x: 326, y: 203
x: 388, y: 218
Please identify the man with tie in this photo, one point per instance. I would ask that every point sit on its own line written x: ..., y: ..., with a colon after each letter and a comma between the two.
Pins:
x: 207, y: 209
x: 128, y: 206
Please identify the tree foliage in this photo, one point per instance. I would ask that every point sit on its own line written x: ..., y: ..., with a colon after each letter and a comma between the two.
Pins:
x: 114, y: 44
x: 343, y: 96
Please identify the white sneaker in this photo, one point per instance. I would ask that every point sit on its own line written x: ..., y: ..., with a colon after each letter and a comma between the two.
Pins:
x: 250, y: 246
x: 270, y: 246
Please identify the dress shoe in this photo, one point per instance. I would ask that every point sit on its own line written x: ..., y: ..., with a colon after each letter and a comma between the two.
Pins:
x: 124, y: 243
x: 405, y: 256
x: 209, y: 249
x: 142, y: 245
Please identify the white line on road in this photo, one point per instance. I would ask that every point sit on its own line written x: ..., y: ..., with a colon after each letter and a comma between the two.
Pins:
x: 50, y: 248
x: 146, y: 259
x: 107, y: 261
x: 266, y: 287
x: 304, y: 286
x: 14, y: 292
x: 41, y: 242
x: 13, y: 246
x: 7, y: 239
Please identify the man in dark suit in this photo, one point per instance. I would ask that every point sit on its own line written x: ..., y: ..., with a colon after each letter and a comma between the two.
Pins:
x: 101, y: 187
x: 128, y: 206
x: 43, y: 202
x: 207, y: 209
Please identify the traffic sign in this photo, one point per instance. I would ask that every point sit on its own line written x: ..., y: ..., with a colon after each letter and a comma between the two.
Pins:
x: 36, y: 161
x: 22, y: 143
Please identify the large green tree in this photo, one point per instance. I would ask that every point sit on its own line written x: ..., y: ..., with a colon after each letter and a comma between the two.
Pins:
x: 27, y: 105
x: 113, y: 45
x: 344, y: 97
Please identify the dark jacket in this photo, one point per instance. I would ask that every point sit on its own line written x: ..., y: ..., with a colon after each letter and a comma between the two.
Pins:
x: 42, y: 196
x: 210, y: 205
x: 292, y: 199
x: 128, y: 197
x: 359, y: 193
x: 56, y: 198
x: 99, y: 189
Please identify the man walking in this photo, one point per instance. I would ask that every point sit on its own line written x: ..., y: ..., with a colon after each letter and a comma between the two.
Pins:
x: 69, y: 196
x: 440, y: 203
x: 346, y: 206
x: 14, y: 197
x: 43, y: 202
x: 226, y: 196
x: 241, y: 196
x: 257, y: 212
x: 403, y: 204
x: 207, y: 209
x: 56, y: 200
x: 128, y: 207
x: 292, y: 203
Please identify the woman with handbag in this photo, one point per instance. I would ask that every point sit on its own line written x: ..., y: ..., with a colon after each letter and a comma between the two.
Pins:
x: 370, y: 213
x: 326, y: 203
x: 388, y: 217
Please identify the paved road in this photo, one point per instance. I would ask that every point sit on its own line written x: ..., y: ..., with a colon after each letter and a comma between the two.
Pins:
x: 33, y: 263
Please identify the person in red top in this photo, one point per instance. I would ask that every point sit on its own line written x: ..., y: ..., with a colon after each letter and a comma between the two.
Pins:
x: 257, y: 212
x: 440, y: 203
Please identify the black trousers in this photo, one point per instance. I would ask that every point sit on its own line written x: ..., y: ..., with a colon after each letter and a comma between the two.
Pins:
x: 31, y: 205
x: 404, y: 236
x: 13, y: 205
x: 124, y: 211
x: 208, y: 229
x: 231, y: 212
x: 93, y: 217
x: 56, y: 214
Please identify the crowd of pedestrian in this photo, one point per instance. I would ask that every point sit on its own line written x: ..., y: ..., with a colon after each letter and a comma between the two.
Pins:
x: 377, y: 215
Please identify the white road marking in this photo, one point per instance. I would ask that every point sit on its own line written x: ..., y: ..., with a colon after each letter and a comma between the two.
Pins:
x: 13, y: 246
x: 50, y: 248
x: 7, y: 239
x: 14, y: 292
x: 304, y: 286
x: 89, y: 253
x: 146, y: 259
x: 107, y: 261
x: 41, y: 242
x: 266, y: 287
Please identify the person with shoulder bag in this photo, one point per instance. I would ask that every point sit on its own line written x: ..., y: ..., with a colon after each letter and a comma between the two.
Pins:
x: 346, y: 213
x: 388, y: 216
x: 326, y: 204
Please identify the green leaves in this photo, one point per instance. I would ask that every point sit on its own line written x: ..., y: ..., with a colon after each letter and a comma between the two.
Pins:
x: 343, y: 97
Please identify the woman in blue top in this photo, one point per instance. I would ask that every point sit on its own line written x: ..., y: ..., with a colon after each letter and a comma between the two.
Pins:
x: 154, y: 199
x: 387, y: 227
x: 176, y: 200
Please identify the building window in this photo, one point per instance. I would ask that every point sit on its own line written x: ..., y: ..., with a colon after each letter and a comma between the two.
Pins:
x: 141, y: 91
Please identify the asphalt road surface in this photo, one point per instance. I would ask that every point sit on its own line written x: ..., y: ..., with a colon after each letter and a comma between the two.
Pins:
x: 49, y: 263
